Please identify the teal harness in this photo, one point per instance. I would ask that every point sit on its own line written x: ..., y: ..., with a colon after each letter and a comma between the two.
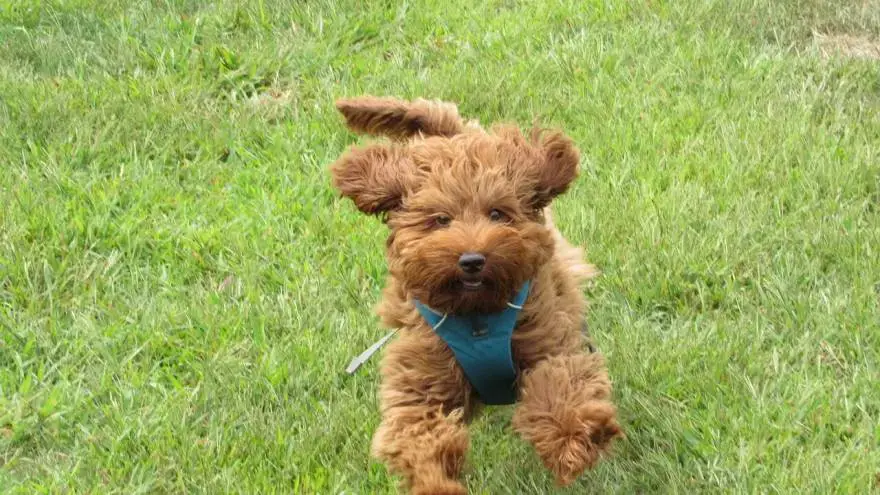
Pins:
x: 481, y: 344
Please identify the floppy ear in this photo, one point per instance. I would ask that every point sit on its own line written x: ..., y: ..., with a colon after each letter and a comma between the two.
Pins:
x: 374, y: 177
x: 558, y: 167
x: 400, y: 119
x: 543, y: 165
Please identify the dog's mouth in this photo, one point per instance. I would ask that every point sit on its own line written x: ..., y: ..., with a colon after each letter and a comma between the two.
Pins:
x: 463, y: 293
x: 471, y: 282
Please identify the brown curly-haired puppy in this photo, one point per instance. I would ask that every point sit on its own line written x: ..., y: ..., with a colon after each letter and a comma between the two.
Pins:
x: 451, y: 191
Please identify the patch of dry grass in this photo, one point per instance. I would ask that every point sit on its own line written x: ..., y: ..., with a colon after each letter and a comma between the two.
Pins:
x: 847, y: 45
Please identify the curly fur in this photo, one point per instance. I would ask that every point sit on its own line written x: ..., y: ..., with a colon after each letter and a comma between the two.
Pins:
x: 436, y: 183
x: 400, y: 119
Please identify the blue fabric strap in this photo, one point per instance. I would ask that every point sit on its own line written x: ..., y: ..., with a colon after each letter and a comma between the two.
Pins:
x: 481, y: 344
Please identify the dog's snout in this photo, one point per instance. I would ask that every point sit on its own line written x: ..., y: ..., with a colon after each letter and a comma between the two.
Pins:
x: 472, y: 262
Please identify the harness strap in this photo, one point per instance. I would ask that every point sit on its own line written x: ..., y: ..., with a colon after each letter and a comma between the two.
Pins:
x: 481, y: 345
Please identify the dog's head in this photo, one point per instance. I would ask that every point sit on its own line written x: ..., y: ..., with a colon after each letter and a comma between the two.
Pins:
x: 464, y: 206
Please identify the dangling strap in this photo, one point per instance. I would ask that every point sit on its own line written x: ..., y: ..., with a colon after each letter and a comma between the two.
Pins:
x: 362, y: 358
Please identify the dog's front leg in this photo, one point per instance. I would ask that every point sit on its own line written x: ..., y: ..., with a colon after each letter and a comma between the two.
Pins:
x: 424, y: 400
x: 565, y: 413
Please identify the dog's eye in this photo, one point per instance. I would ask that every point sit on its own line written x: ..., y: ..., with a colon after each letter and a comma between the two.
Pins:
x: 442, y: 220
x: 497, y: 216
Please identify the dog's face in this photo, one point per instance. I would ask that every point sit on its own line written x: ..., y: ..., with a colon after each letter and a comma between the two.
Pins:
x: 465, y: 212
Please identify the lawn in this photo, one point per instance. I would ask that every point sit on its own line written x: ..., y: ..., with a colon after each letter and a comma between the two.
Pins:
x: 181, y: 289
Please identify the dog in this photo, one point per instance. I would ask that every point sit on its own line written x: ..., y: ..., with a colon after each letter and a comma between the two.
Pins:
x: 485, y: 291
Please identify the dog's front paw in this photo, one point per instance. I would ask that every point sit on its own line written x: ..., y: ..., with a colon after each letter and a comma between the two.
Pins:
x: 564, y: 412
x: 572, y: 440
x: 580, y: 439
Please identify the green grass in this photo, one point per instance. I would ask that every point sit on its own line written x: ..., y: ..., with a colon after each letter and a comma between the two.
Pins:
x: 180, y: 288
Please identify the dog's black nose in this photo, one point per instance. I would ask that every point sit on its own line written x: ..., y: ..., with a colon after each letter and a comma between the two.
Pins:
x: 471, y: 262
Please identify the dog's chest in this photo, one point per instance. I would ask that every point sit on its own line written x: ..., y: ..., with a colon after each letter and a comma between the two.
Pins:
x: 481, y: 344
